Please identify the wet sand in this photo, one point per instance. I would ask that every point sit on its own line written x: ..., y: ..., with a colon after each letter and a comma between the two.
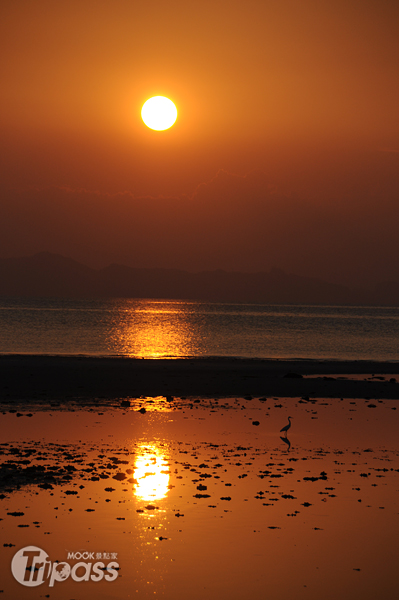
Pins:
x: 177, y: 471
x: 205, y: 498
x: 56, y: 377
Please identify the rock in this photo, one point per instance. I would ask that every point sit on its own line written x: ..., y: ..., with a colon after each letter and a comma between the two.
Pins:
x: 293, y: 376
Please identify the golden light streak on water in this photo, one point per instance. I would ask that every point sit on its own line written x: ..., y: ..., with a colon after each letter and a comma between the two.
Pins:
x: 153, y: 330
x: 151, y: 473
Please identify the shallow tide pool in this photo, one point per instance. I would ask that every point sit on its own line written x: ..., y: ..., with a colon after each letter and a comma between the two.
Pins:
x: 201, y: 498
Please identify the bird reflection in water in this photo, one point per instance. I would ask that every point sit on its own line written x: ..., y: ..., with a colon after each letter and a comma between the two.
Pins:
x: 286, y: 441
x: 285, y: 430
x: 151, y: 473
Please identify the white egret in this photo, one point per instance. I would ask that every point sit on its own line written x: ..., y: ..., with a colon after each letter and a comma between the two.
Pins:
x: 286, y: 428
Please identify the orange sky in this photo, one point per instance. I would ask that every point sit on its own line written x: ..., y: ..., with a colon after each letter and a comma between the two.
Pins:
x: 305, y: 94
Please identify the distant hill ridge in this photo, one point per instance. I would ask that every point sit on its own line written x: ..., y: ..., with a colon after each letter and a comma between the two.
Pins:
x: 51, y: 275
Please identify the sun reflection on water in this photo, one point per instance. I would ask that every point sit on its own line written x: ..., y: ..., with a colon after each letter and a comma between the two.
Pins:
x: 151, y: 473
x: 153, y: 329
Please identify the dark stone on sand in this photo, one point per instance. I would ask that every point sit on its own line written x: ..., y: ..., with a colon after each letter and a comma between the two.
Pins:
x: 142, y: 410
x: 311, y: 478
x: 125, y: 403
x: 293, y: 376
x: 255, y: 423
x: 119, y: 476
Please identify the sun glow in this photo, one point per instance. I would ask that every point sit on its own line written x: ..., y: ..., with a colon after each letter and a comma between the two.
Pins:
x: 153, y: 329
x: 159, y: 113
x: 151, y: 473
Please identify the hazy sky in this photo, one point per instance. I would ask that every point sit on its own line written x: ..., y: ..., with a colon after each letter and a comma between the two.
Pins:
x: 285, y: 152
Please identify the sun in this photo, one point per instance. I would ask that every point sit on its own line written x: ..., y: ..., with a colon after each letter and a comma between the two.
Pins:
x: 159, y: 113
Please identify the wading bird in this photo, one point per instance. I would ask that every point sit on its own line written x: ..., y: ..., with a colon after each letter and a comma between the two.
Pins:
x: 286, y: 428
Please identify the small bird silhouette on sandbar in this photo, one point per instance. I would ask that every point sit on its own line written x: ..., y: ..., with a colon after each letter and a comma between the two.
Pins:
x: 286, y: 428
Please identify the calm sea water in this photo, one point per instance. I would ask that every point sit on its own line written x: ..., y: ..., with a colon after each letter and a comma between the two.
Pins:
x: 161, y: 328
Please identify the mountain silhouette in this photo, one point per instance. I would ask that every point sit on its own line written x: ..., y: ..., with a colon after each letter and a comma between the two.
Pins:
x: 51, y: 275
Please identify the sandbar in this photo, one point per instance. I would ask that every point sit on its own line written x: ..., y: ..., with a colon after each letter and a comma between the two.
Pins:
x: 34, y: 377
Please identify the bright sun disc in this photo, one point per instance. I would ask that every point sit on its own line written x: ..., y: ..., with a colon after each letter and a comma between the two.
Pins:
x: 159, y: 113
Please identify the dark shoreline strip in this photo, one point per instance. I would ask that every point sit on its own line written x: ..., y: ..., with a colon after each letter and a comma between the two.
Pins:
x: 24, y: 377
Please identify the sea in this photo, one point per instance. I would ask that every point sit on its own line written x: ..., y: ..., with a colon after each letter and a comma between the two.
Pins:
x: 174, y: 329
